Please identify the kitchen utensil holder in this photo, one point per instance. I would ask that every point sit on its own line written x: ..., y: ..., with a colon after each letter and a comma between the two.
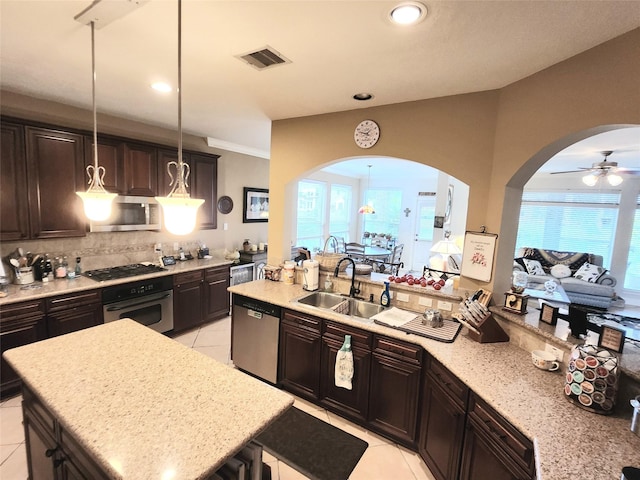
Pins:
x: 24, y: 276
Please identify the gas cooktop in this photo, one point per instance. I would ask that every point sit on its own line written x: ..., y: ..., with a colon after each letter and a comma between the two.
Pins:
x: 122, y: 271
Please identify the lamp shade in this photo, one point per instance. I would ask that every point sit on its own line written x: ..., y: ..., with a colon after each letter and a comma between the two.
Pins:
x: 180, y: 213
x: 447, y: 247
x: 367, y: 209
x: 97, y: 205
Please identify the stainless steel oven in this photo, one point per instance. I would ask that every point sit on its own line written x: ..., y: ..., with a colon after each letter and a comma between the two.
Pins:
x: 149, y: 302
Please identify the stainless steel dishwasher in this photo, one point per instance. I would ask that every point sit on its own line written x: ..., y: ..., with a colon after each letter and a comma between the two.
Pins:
x: 255, y: 334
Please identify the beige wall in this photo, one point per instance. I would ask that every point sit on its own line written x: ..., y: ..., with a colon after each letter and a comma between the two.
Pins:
x: 493, y: 141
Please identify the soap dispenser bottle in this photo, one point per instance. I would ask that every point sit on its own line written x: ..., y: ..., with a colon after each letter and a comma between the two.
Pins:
x: 385, y: 298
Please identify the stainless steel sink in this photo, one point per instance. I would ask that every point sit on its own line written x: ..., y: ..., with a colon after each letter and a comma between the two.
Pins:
x: 353, y: 307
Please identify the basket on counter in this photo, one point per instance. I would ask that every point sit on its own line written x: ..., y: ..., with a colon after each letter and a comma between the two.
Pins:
x: 328, y: 260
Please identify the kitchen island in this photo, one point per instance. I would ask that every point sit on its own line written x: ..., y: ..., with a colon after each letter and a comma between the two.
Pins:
x: 139, y: 405
x: 569, y: 442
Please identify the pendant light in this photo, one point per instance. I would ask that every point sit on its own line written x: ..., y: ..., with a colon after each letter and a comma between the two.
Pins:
x: 180, y: 210
x: 367, y: 208
x: 97, y: 201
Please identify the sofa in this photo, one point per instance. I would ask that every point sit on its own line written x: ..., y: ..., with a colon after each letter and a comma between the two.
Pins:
x: 580, y: 274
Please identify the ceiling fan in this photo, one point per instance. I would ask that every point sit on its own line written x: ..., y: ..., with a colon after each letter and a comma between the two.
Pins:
x: 602, y: 170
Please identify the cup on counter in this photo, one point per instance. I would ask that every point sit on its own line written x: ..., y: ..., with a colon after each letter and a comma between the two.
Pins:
x: 544, y: 360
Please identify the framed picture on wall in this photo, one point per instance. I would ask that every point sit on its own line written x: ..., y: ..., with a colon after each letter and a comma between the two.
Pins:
x: 447, y: 208
x: 255, y: 205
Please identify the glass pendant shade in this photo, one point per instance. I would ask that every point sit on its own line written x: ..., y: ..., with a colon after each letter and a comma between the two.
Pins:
x: 180, y: 210
x: 614, y: 180
x: 97, y: 201
x: 590, y: 180
x: 367, y: 208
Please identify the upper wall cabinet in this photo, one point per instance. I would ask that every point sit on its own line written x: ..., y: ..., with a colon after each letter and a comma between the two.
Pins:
x: 55, y: 171
x: 202, y: 182
x: 140, y: 169
x: 111, y: 157
x: 14, y: 206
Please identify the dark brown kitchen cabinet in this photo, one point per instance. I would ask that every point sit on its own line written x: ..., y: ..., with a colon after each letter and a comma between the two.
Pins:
x: 202, y: 182
x: 444, y: 407
x: 493, y: 448
x: 14, y: 200
x: 216, y: 298
x: 188, y: 296
x: 140, y: 169
x: 300, y: 347
x: 111, y: 157
x: 20, y: 324
x: 75, y: 311
x: 52, y: 453
x: 55, y: 171
x: 394, y: 389
x: 352, y: 403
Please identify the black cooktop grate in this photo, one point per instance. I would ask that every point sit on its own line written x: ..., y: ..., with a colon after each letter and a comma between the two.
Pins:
x: 122, y: 271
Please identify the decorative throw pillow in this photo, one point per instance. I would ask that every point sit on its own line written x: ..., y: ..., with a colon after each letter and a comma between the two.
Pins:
x: 533, y: 267
x: 560, y: 271
x: 590, y: 273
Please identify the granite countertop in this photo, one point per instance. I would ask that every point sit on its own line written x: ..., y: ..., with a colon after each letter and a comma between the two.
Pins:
x: 66, y: 286
x: 143, y: 405
x: 569, y: 442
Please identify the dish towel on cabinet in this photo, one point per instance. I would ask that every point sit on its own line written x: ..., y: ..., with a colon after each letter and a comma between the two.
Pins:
x: 344, y: 365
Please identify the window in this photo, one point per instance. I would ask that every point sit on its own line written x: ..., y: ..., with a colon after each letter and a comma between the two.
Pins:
x: 388, y: 205
x: 315, y: 221
x: 311, y: 213
x: 572, y: 221
x: 632, y: 277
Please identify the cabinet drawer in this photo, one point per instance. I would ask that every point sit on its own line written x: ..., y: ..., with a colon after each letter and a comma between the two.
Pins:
x: 304, y: 321
x: 449, y: 382
x: 398, y: 349
x: 360, y: 338
x: 502, y: 432
x: 16, y: 311
x: 188, y: 277
x: 219, y: 273
x: 64, y: 302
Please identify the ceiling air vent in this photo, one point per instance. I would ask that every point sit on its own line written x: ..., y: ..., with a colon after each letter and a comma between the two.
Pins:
x: 264, y: 58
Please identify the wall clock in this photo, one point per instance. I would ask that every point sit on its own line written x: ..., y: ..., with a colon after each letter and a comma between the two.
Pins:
x: 366, y: 134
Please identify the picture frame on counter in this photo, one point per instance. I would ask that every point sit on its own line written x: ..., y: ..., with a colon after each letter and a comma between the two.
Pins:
x: 255, y: 205
x: 612, y: 339
x: 549, y: 313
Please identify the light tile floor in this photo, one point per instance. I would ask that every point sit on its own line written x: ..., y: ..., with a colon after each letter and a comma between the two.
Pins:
x: 381, y: 461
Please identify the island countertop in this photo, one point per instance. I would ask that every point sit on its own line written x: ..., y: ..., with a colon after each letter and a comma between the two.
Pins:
x: 569, y: 442
x: 143, y: 405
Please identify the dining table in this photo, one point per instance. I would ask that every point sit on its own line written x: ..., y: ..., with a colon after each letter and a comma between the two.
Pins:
x: 372, y: 252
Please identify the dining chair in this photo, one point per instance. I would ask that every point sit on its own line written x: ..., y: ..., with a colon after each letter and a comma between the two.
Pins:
x: 355, y: 251
x: 393, y: 264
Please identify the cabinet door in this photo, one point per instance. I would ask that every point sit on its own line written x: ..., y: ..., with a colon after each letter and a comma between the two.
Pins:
x: 111, y: 157
x: 140, y: 170
x: 300, y: 358
x: 441, y: 431
x: 217, y: 297
x: 42, y: 449
x: 393, y: 397
x: 76, y: 318
x: 20, y: 324
x: 55, y: 165
x: 14, y: 208
x: 204, y: 184
x: 188, y: 294
x: 483, y: 459
x: 350, y: 403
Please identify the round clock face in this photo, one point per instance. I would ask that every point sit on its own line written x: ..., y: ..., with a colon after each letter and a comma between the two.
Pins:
x: 366, y: 134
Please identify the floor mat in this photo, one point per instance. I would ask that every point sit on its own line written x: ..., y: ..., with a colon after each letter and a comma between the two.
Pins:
x: 313, y: 447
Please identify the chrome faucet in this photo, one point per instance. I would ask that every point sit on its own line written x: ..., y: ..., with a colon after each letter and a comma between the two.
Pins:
x: 353, y: 291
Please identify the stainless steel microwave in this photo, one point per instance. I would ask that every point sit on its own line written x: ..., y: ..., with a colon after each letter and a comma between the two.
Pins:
x: 129, y: 214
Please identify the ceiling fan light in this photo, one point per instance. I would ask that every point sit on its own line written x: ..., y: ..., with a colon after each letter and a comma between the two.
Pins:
x: 614, y: 179
x: 590, y: 180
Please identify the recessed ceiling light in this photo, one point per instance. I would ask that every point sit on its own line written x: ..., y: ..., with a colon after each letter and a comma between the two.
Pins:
x: 161, y: 87
x: 408, y: 13
x: 362, y: 96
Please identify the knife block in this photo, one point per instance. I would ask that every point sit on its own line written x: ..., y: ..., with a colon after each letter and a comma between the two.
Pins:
x: 488, y: 331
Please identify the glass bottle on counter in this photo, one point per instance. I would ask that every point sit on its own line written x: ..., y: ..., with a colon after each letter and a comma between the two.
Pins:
x: 78, y: 268
x: 61, y: 267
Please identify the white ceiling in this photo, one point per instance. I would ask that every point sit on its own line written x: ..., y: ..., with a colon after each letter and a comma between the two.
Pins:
x: 337, y: 49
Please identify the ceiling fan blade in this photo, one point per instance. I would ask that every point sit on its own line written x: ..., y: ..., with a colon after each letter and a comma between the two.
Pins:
x: 628, y: 171
x: 581, y: 170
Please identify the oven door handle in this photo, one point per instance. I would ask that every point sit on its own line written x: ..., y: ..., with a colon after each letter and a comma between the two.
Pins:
x: 115, y: 309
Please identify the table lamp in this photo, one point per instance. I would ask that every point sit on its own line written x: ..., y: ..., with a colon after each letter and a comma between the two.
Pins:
x: 446, y: 248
